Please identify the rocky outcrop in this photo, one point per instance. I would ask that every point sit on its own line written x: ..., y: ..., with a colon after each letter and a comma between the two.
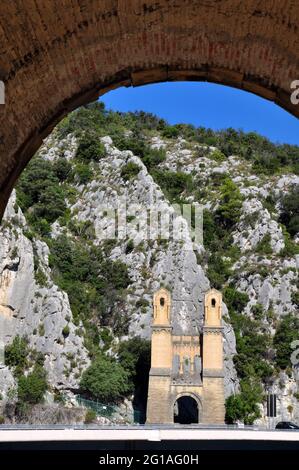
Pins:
x: 38, y: 312
x: 32, y: 305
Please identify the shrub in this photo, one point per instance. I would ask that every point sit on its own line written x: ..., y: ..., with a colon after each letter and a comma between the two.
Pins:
x: 40, y: 278
x: 36, y: 178
x: 170, y: 132
x: 105, y: 380
x: 83, y: 172
x: 66, y: 331
x: 129, y: 246
x: 290, y: 211
x: 230, y: 204
x: 130, y: 170
x: 16, y: 354
x: 287, y: 331
x: 90, y: 416
x: 264, y: 245
x: 244, y: 405
x: 234, y: 299
x: 217, y: 155
x: 153, y: 157
x: 173, y: 184
x: 62, y: 168
x: 31, y: 388
x: 90, y: 149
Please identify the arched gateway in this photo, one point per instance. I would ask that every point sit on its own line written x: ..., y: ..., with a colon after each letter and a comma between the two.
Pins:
x: 54, y: 59
x: 186, y: 383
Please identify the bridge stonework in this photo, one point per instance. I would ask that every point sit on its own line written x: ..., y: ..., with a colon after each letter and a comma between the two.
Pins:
x: 56, y: 59
x: 186, y: 365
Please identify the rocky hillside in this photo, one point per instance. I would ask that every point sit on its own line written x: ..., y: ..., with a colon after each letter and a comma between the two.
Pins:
x: 72, y: 294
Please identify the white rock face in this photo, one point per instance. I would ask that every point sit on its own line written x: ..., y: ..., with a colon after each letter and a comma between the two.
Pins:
x: 255, y: 223
x: 36, y: 312
x: 42, y: 312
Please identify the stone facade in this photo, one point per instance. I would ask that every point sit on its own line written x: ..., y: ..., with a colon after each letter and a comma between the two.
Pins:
x: 188, y: 365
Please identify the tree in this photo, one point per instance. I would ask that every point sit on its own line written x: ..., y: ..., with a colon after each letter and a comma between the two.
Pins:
x: 90, y: 148
x: 16, y: 354
x: 229, y: 210
x: 31, y: 388
x: 129, y: 171
x: 244, y: 405
x: 290, y: 211
x: 105, y: 380
x: 286, y: 332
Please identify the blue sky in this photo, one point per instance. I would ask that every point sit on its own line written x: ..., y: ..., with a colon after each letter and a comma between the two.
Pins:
x: 209, y: 105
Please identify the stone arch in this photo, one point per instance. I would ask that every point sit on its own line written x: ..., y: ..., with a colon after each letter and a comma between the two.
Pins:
x: 192, y: 396
x: 54, y: 60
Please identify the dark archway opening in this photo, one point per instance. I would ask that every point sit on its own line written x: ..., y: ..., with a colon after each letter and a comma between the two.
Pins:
x: 186, y: 410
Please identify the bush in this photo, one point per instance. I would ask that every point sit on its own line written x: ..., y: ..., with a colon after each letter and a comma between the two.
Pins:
x: 90, y: 416
x: 170, y: 132
x: 218, y: 156
x: 16, y: 354
x: 31, y: 388
x: 93, y: 282
x: 90, y: 149
x: 234, y: 299
x: 290, y: 211
x: 153, y: 157
x: 105, y: 380
x: 62, y: 168
x: 244, y: 406
x: 135, y: 357
x: 264, y: 246
x: 173, y: 184
x: 41, y: 278
x: 287, y: 331
x: 66, y: 331
x: 230, y: 205
x: 35, y: 179
x: 130, y: 170
x: 83, y: 172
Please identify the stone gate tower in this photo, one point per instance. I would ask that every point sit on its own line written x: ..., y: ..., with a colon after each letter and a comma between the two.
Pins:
x: 186, y: 367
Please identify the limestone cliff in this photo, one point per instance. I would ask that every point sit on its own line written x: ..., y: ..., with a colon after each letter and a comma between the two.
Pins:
x: 32, y: 304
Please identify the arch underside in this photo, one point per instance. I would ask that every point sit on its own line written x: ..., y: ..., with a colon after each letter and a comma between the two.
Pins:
x: 57, y: 56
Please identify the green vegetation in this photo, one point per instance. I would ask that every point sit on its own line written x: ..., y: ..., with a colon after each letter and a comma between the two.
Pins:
x: 217, y: 232
x: 16, y: 355
x: 175, y: 185
x: 244, y: 406
x: 229, y: 209
x: 90, y: 416
x: 287, y: 331
x: 251, y: 361
x: 32, y: 387
x: 290, y: 211
x: 90, y: 148
x: 97, y: 286
x: 135, y: 356
x: 130, y: 170
x: 266, y: 157
x: 105, y: 380
x: 94, y: 284
x: 264, y: 245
